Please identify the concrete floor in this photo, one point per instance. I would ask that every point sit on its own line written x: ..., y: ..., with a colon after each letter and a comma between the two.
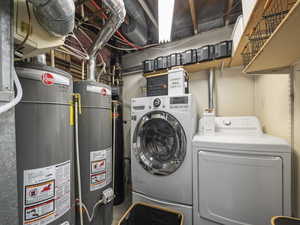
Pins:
x: 120, y: 210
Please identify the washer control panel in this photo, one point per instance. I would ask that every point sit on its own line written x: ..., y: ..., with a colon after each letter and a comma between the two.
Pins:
x: 178, y: 103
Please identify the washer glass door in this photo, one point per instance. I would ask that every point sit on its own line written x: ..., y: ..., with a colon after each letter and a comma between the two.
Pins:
x: 159, y: 143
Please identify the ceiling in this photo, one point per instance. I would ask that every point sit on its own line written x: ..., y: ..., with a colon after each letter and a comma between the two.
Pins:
x: 209, y: 14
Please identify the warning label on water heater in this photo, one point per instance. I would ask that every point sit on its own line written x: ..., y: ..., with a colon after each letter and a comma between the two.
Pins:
x: 100, y: 168
x: 46, y: 193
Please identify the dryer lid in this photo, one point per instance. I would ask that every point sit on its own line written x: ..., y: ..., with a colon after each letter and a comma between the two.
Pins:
x: 243, y: 125
x: 264, y: 143
x: 240, y: 134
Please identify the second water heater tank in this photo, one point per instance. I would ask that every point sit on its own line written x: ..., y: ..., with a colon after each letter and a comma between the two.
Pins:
x: 95, y: 148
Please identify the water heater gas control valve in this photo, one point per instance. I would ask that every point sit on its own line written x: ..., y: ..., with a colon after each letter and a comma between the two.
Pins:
x: 108, y: 195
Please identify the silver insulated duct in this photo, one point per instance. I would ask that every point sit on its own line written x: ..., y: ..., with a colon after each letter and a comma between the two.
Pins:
x: 118, y: 14
x: 136, y: 30
x: 55, y: 16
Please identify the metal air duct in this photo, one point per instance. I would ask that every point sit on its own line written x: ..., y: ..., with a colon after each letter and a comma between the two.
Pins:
x: 136, y: 30
x: 55, y: 16
x: 118, y: 12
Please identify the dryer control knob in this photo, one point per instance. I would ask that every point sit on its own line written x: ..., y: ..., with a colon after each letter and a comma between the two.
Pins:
x: 156, y: 102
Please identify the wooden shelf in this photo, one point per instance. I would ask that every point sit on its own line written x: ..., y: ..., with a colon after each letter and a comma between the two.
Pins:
x: 282, y: 49
x: 208, y: 65
x: 225, y: 62
x: 253, y: 20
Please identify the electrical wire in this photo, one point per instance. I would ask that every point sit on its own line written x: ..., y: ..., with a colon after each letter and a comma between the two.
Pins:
x: 75, y: 51
x: 90, y: 217
x: 121, y: 49
x: 98, y: 28
x: 70, y: 53
x: 86, y: 35
x: 81, y: 46
x: 119, y: 39
x: 118, y: 32
x: 29, y: 27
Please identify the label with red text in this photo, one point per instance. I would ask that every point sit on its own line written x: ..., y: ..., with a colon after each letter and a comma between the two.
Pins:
x: 46, y: 193
x: 100, y: 168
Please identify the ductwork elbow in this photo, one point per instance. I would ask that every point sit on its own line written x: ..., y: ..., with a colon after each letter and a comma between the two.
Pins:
x: 55, y: 16
x: 118, y: 13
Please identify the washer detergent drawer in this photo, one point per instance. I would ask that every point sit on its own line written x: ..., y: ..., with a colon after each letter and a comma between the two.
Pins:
x: 239, y: 189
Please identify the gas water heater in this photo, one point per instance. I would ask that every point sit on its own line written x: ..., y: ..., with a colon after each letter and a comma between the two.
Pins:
x: 94, y: 189
x: 44, y: 141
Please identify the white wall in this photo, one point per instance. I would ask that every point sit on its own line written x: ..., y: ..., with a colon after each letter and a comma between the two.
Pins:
x: 273, y: 104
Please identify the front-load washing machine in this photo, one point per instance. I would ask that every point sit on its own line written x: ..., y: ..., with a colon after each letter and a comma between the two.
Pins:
x: 162, y: 129
x: 241, y: 176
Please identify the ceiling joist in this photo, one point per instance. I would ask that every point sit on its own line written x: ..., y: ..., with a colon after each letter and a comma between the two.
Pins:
x: 228, y: 11
x: 194, y: 15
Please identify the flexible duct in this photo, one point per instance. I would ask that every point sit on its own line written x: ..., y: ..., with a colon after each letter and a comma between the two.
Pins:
x: 118, y: 14
x: 55, y: 16
x: 211, y: 86
x: 136, y: 30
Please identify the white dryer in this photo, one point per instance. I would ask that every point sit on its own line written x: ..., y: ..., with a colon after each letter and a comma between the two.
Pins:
x: 241, y: 176
x: 162, y: 129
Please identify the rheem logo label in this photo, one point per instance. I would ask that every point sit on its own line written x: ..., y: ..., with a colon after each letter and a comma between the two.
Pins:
x: 103, y: 92
x: 47, y: 79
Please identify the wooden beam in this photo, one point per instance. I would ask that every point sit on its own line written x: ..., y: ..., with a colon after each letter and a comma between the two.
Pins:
x: 282, y: 49
x: 228, y: 10
x: 254, y: 18
x: 194, y: 15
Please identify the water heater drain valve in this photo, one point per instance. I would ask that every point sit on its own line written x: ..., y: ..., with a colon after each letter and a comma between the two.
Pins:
x: 108, y: 195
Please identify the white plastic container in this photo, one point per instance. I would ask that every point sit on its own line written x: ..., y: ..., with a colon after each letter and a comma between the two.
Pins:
x: 248, y: 7
x: 237, y: 33
x: 207, y: 123
x: 176, y: 82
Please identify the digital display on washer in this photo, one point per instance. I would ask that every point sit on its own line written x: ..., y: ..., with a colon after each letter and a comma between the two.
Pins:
x: 140, y: 107
x: 179, y: 100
